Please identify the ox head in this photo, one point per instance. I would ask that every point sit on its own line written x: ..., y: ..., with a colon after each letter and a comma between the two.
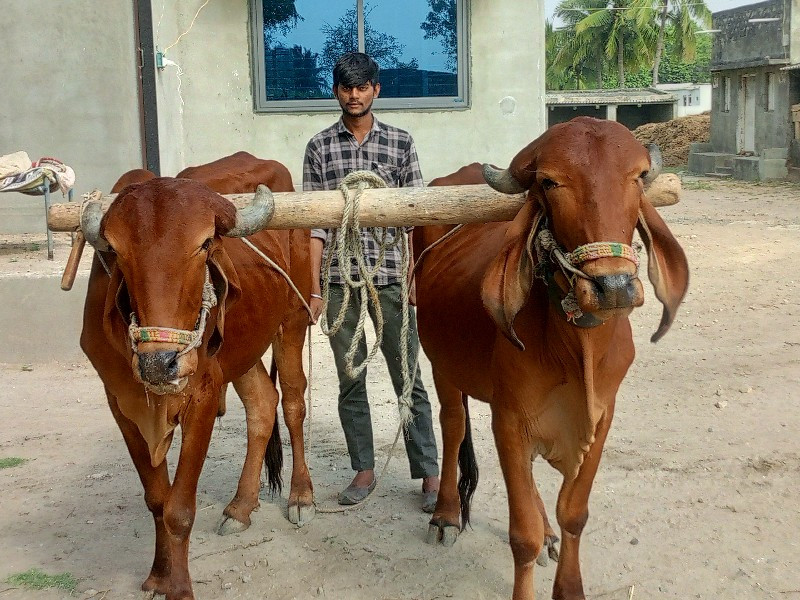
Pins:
x: 170, y: 271
x: 586, y: 182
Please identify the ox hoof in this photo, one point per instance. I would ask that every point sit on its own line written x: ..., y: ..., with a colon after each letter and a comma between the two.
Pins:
x: 300, y: 515
x: 551, y: 543
x: 229, y: 525
x: 542, y: 560
x: 445, y: 535
x: 150, y: 595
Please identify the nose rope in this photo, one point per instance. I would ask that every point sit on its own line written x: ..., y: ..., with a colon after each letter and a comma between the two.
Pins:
x: 188, y: 339
x: 549, y: 252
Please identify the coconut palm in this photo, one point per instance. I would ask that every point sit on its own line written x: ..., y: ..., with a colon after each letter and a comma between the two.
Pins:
x: 682, y: 15
x: 575, y: 60
x: 606, y: 29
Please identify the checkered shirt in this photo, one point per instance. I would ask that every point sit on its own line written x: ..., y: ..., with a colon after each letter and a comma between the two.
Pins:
x: 387, y: 151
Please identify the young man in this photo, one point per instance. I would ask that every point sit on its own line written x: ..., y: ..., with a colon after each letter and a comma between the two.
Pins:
x: 358, y: 141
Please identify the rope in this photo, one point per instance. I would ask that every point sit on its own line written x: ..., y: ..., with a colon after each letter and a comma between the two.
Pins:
x: 347, y: 247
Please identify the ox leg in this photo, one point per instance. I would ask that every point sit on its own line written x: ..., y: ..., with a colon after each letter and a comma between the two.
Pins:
x: 288, y: 352
x: 155, y: 481
x: 572, y: 512
x: 260, y: 399
x: 444, y: 525
x: 180, y: 508
x: 550, y: 550
x: 526, y: 526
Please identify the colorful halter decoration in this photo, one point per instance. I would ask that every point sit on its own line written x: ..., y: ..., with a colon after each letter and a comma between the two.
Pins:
x: 188, y: 339
x: 549, y: 254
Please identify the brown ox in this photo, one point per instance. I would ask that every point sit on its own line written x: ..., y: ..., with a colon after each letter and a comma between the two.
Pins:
x: 164, y: 243
x: 492, y: 323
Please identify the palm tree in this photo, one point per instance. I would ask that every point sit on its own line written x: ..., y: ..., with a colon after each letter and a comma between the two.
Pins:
x: 684, y: 16
x: 626, y: 39
x: 574, y: 61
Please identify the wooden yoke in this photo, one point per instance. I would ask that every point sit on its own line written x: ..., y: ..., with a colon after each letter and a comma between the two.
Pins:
x: 439, y: 205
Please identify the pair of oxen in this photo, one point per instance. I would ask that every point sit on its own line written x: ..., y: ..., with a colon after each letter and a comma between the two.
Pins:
x: 530, y: 316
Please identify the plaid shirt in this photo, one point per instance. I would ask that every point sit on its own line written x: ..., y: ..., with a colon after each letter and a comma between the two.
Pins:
x: 386, y: 151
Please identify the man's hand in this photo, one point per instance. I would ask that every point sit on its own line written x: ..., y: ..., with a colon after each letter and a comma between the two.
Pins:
x: 316, y: 309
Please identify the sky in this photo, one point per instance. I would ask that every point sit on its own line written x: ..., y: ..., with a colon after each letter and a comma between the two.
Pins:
x: 714, y: 5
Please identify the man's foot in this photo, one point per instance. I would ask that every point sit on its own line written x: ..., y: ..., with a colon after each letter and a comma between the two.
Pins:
x: 430, y: 492
x: 363, y: 483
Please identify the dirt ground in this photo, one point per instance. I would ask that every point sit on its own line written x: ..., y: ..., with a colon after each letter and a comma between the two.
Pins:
x: 674, y: 137
x: 696, y: 497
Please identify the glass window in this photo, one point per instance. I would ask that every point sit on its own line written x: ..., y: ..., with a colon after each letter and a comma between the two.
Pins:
x: 769, y: 91
x: 420, y: 49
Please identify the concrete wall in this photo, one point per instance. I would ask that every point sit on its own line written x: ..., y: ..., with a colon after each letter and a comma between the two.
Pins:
x: 741, y: 43
x: 68, y: 90
x: 772, y: 128
x: 216, y: 116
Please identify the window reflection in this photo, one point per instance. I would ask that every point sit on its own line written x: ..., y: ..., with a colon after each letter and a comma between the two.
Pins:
x: 416, y: 48
x: 302, y: 41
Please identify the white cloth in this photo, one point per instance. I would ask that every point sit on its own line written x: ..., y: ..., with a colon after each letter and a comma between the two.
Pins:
x: 14, y: 164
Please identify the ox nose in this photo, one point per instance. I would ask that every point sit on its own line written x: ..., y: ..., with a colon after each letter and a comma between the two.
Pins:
x: 609, y: 292
x: 158, y: 367
x: 616, y: 291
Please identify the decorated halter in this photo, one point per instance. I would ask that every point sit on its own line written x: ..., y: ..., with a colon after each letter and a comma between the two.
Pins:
x: 551, y: 255
x: 188, y: 339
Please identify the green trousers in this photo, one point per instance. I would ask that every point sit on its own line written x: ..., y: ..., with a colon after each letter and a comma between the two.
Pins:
x: 353, y: 405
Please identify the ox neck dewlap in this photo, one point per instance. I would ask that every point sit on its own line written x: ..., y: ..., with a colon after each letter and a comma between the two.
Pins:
x: 550, y: 257
x: 188, y: 339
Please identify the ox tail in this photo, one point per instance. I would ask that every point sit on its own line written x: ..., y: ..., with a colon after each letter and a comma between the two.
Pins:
x: 273, y: 459
x: 468, y: 465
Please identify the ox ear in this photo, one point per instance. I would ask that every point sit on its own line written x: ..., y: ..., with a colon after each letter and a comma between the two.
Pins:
x: 507, y: 282
x: 667, y: 266
x: 226, y: 285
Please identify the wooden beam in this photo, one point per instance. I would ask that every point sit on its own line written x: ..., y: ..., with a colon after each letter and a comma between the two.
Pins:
x: 439, y: 205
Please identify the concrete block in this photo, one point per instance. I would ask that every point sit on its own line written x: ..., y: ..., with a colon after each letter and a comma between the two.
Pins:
x: 775, y: 153
x: 707, y: 162
x: 700, y: 147
x: 40, y: 322
x: 746, y: 168
x: 772, y: 168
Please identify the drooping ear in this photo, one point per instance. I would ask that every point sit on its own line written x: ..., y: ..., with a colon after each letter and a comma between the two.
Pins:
x: 667, y: 266
x: 226, y: 286
x: 507, y: 282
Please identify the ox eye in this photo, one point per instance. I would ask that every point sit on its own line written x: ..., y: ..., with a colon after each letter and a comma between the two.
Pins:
x: 644, y: 174
x: 548, y: 184
x: 207, y: 244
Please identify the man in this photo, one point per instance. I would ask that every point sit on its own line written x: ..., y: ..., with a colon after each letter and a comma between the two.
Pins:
x: 358, y: 141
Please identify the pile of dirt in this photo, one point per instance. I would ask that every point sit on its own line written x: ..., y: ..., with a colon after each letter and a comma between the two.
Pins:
x: 674, y: 137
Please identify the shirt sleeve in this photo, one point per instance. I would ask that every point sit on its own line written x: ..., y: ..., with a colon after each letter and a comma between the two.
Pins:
x: 312, y: 180
x: 411, y: 175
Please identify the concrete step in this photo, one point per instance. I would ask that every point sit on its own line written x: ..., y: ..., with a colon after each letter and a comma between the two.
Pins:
x: 718, y: 175
x: 727, y: 170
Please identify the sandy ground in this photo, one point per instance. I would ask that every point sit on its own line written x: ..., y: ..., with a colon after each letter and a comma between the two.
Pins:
x: 697, y: 495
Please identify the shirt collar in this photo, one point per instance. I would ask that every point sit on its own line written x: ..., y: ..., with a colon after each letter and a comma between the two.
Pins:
x: 376, y: 126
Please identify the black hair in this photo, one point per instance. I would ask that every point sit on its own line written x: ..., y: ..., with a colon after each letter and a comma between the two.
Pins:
x: 354, y: 69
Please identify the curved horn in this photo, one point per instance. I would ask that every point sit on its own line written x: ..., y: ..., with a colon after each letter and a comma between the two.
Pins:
x: 254, y: 218
x: 656, y: 163
x: 91, y: 215
x: 502, y: 180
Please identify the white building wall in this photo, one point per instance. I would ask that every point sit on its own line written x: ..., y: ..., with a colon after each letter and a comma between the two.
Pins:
x: 212, y: 115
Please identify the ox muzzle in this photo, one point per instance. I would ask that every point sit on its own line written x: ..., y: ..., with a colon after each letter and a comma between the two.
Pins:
x: 163, y: 357
x: 592, y: 283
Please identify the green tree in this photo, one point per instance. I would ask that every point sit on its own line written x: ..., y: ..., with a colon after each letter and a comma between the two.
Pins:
x: 342, y: 38
x: 578, y: 60
x: 683, y: 16
x: 625, y: 39
x: 441, y: 22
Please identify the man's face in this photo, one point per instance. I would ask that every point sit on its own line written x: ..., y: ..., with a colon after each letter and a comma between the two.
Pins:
x: 356, y: 101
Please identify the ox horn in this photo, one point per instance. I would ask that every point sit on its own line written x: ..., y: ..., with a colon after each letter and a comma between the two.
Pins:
x: 254, y: 218
x: 502, y: 180
x: 656, y: 163
x: 91, y: 215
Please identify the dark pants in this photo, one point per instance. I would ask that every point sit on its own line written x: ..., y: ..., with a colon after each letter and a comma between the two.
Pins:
x: 353, y: 405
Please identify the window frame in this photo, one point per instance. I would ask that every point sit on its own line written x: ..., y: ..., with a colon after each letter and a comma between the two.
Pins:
x: 325, y: 105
